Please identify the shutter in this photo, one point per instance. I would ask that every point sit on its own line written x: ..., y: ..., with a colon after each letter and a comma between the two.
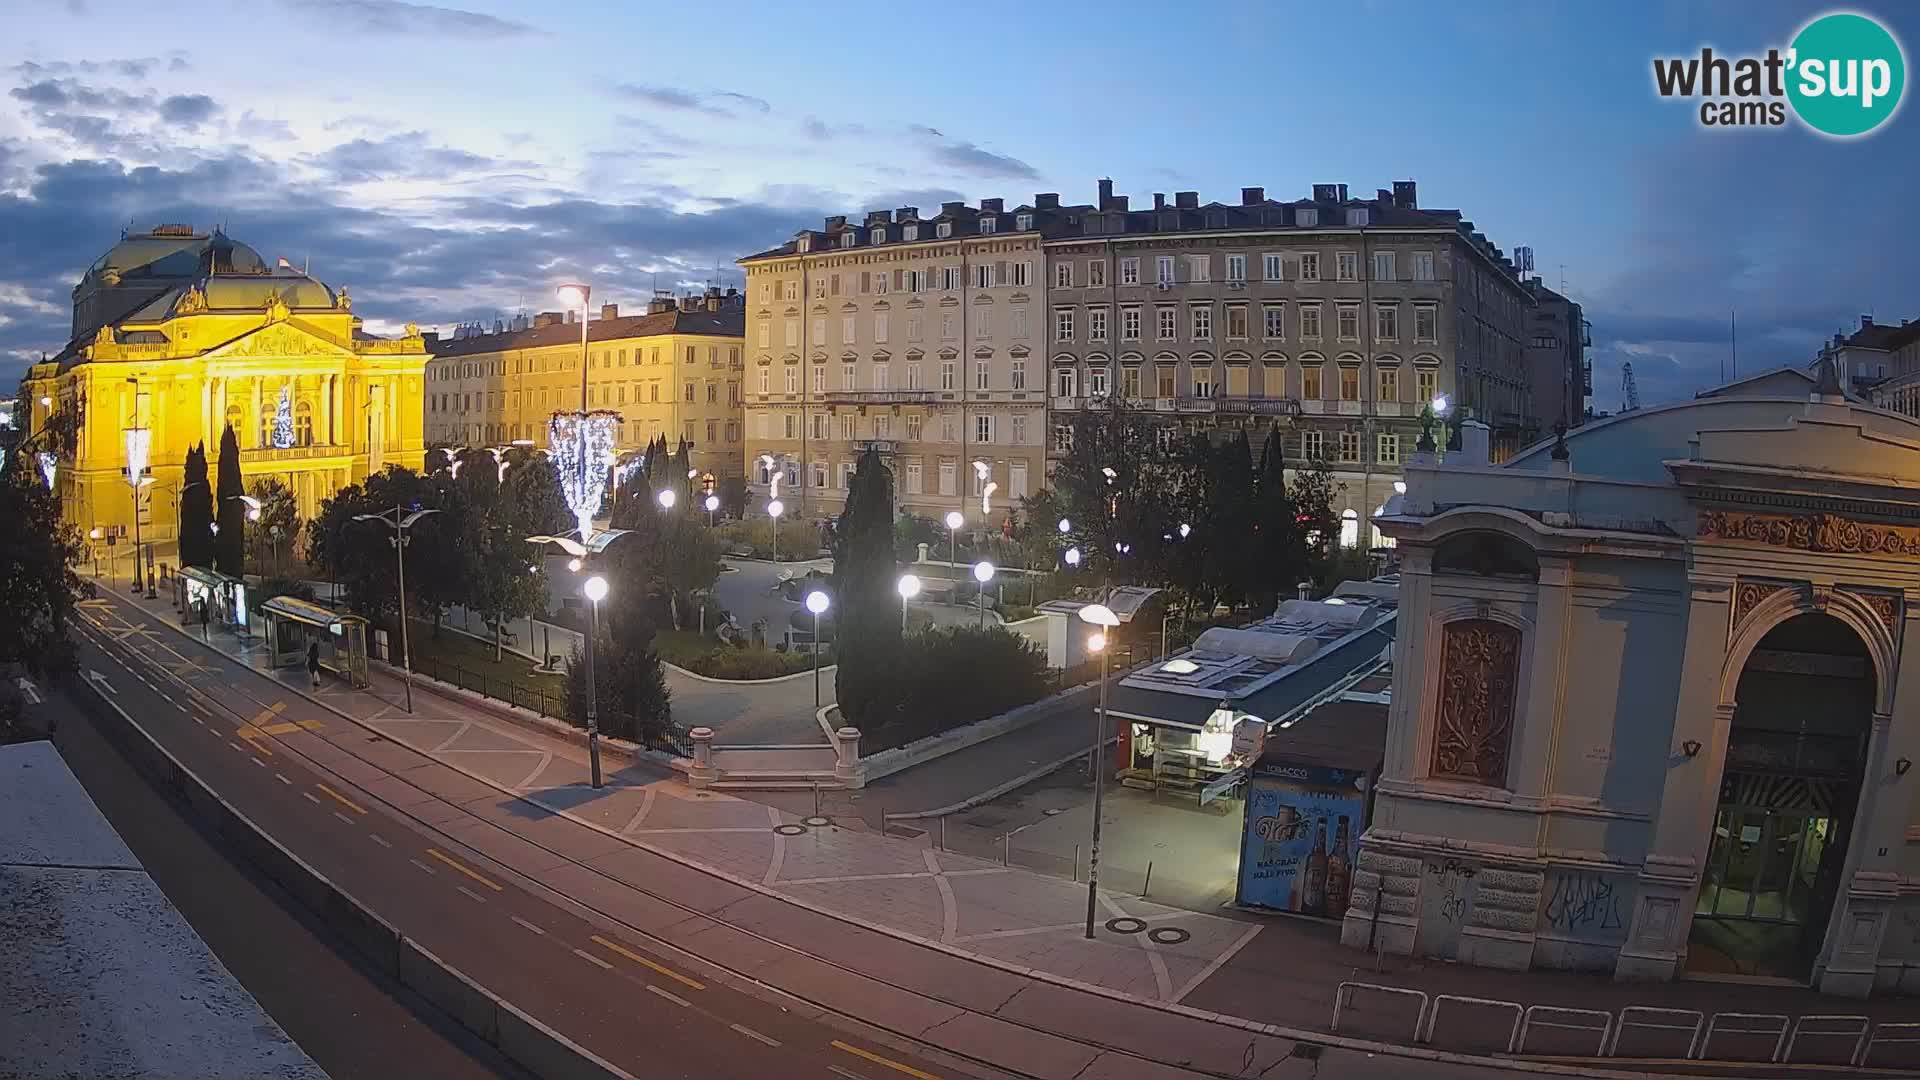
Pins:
x: 866, y: 281
x: 899, y: 280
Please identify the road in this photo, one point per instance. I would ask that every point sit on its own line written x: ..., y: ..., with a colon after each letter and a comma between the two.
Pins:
x: 352, y: 1021
x: 651, y: 1013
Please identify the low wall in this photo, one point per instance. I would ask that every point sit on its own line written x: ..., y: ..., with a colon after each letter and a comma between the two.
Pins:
x: 531, y: 1044
x: 920, y: 751
x: 793, y: 758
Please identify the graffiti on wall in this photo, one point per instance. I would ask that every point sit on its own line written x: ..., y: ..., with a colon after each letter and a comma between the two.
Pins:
x: 1445, y: 896
x: 1584, y: 904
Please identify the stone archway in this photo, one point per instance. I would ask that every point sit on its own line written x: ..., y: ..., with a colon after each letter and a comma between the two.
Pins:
x: 1804, y: 699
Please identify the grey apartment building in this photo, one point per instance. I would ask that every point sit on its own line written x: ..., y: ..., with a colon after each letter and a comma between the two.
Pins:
x: 1332, y: 317
x: 1557, y: 338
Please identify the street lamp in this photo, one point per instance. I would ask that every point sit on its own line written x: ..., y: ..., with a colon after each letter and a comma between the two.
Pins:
x: 665, y: 498
x: 139, y: 441
x: 908, y: 587
x: 1101, y: 616
x: 955, y: 519
x: 595, y: 590
x: 774, y: 510
x: 712, y: 504
x: 1073, y: 557
x: 817, y: 603
x: 400, y: 524
x: 983, y: 573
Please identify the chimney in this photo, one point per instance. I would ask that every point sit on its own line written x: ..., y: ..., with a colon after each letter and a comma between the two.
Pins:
x: 1343, y: 192
x: 569, y: 316
x: 1186, y: 200
x: 1866, y: 321
x: 1325, y: 192
x: 952, y: 207
x: 713, y: 300
x: 431, y: 337
x: 546, y: 319
x: 907, y: 213
x: 1404, y: 195
x: 499, y: 327
x: 731, y: 291
x: 991, y: 206
x: 1159, y: 201
x: 1475, y: 443
x: 1047, y: 200
x: 660, y: 304
x: 1250, y: 196
x: 837, y: 221
x: 1120, y: 203
x: 609, y: 311
x: 879, y: 217
x: 1382, y: 195
x: 1106, y: 193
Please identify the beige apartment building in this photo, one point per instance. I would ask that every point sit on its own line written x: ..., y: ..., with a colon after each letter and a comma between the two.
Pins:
x: 1335, y: 318
x: 674, y: 371
x: 921, y: 337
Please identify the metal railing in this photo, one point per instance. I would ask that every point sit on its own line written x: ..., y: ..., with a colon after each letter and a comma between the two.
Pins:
x: 549, y: 703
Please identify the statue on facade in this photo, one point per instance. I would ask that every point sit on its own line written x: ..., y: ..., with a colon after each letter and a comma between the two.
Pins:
x: 277, y: 310
x: 413, y: 331
x: 191, y: 302
x: 342, y: 301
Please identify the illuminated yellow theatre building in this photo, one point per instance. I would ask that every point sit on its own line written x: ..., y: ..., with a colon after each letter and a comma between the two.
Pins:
x: 183, y: 333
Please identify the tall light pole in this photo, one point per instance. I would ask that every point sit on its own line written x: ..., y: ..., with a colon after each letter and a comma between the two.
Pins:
x: 1102, y: 617
x: 774, y: 510
x: 596, y: 591
x: 712, y: 504
x: 983, y: 573
x: 400, y: 521
x: 665, y: 498
x: 955, y: 519
x: 139, y: 441
x: 909, y: 587
x: 817, y: 603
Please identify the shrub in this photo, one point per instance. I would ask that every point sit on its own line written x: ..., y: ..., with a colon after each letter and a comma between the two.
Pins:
x: 278, y: 586
x: 799, y: 540
x: 950, y: 676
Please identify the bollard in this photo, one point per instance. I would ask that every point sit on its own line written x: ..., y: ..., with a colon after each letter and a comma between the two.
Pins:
x: 943, y: 834
x: 1003, y: 848
x: 816, y: 800
x: 1149, y: 885
x: 1076, y: 862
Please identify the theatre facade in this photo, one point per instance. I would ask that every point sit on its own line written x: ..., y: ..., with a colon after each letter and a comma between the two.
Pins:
x: 1653, y: 712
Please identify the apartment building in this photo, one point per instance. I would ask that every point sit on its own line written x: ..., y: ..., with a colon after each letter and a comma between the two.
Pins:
x: 674, y: 371
x: 1334, y: 318
x: 1558, y: 335
x: 922, y: 337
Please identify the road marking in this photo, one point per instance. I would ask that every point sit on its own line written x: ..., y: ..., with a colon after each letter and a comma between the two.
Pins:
x: 282, y: 777
x: 590, y: 958
x: 288, y: 727
x: 838, y: 1071
x: 199, y: 721
x: 675, y: 998
x: 378, y: 839
x: 421, y: 865
x: 236, y: 746
x: 887, y: 1061
x: 253, y: 732
x: 752, y: 1034
x: 343, y: 817
x: 525, y: 925
x: 258, y: 762
x: 457, y: 865
x: 643, y: 961
x: 308, y: 795
x: 470, y: 893
x: 342, y: 799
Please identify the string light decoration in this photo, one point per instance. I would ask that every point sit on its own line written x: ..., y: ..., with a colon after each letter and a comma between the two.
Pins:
x: 138, y: 442
x: 283, y: 420
x: 579, y: 445
x: 49, y: 464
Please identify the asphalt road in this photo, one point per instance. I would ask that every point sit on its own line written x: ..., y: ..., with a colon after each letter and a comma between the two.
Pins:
x: 647, y: 1012
x: 352, y: 1021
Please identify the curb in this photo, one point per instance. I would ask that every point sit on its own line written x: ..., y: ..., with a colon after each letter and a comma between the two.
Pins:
x: 744, y: 682
x: 528, y: 1042
x: 995, y: 792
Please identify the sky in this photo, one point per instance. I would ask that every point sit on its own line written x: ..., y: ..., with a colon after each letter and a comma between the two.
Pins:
x: 455, y: 163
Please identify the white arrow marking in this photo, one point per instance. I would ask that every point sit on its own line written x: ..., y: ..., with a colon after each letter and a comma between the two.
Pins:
x: 101, y: 681
x: 27, y: 690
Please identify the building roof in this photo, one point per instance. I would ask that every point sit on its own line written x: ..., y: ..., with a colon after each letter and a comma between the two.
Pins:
x: 177, y: 251
x: 1344, y: 733
x: 727, y: 322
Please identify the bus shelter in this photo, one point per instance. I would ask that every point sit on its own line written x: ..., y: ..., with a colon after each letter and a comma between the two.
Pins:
x: 292, y: 625
x: 223, y: 598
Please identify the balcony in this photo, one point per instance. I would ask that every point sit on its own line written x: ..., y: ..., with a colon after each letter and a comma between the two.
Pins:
x: 1258, y: 406
x: 256, y: 455
x: 1348, y: 408
x: 877, y: 397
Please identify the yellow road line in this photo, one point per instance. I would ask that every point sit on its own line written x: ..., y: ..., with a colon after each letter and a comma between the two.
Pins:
x: 878, y: 1060
x: 643, y: 961
x: 463, y: 868
x: 288, y: 727
x: 342, y: 799
x: 253, y: 732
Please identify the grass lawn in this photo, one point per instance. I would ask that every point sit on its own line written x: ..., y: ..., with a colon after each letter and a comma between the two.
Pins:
x: 456, y: 658
x: 707, y: 656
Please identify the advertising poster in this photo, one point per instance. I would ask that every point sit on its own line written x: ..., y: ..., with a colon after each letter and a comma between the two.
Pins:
x: 1298, y: 841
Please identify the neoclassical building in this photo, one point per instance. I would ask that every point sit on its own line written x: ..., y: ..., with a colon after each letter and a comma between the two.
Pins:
x: 183, y: 333
x: 1652, y: 708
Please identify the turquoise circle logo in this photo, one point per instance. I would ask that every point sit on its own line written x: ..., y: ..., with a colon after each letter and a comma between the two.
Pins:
x: 1847, y: 74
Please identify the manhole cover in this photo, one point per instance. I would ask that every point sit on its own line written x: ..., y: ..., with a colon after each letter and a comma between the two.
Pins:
x: 905, y: 832
x: 1126, y: 924
x: 1167, y: 935
x: 790, y: 830
x: 816, y: 821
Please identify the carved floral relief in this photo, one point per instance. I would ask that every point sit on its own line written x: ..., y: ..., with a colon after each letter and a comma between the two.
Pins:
x: 1479, y: 676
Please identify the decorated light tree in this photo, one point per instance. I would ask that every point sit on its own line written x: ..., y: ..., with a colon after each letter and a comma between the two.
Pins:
x: 579, y: 445
x: 283, y: 420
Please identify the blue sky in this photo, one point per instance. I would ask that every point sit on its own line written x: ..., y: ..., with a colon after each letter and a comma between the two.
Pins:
x: 450, y: 162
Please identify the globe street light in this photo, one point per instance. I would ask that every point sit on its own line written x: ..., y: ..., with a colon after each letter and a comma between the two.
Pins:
x: 665, y: 498
x: 817, y: 602
x: 712, y: 504
x: 394, y: 520
x: 955, y: 519
x: 1065, y: 526
x: 983, y: 573
x: 1102, y: 617
x: 774, y: 510
x: 595, y: 590
x: 1073, y: 556
x: 908, y: 587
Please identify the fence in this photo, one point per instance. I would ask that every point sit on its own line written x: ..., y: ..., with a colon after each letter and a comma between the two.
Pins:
x: 1634, y: 1032
x: 547, y: 702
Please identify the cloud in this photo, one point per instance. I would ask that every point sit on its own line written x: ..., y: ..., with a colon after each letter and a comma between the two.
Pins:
x: 395, y: 17
x: 407, y: 155
x: 49, y: 94
x: 748, y: 101
x: 819, y: 130
x: 967, y: 157
x: 711, y: 102
x: 188, y: 110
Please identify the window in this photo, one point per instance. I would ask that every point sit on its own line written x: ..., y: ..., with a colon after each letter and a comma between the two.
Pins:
x: 947, y: 328
x: 1129, y: 324
x: 1163, y: 380
x: 1203, y: 382
x: 1063, y: 275
x: 1426, y: 384
x: 790, y: 290
x: 1063, y: 438
x: 913, y: 375
x: 1270, y: 267
x: 766, y: 380
x: 989, y: 224
x: 1383, y: 266
x: 848, y: 377
x: 819, y: 379
x: 1200, y: 268
x: 913, y: 477
x: 947, y: 429
x: 914, y: 422
x: 713, y: 392
x: 819, y: 474
x: 1130, y: 382
x: 792, y: 425
x: 1423, y: 266
x: 983, y: 275
x: 1309, y: 266
x: 848, y: 427
x: 1348, y: 324
x: 1065, y: 381
x: 910, y: 233
x: 947, y: 381
x: 1097, y: 324
x: 793, y: 383
x: 1349, y: 382
x: 880, y: 329
x: 880, y: 283
x: 1310, y: 382
x: 1018, y: 436
x: 793, y: 335
x: 1202, y: 322
x: 1019, y: 375
x: 819, y: 292
x: 1389, y: 388
x: 881, y: 377
x: 1097, y: 381
x: 1022, y: 273
x: 1349, y: 451
x: 819, y: 334
x: 1310, y: 322
x: 1018, y: 327
x: 1063, y: 324
x: 1387, y: 448
x: 817, y: 425
x: 981, y: 372
x: 1096, y: 273
x: 983, y: 429
x: 1275, y: 318
x: 1168, y: 320
x: 1237, y: 269
x: 950, y: 278
x: 1237, y: 322
x: 1130, y: 271
x: 846, y: 330
x: 1386, y: 322
x: 1307, y: 217
x: 1426, y: 318
x: 1313, y: 445
x: 1164, y: 269
x: 1023, y: 222
x: 1347, y: 266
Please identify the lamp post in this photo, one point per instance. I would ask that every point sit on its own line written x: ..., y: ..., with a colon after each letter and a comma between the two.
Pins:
x: 817, y: 603
x: 712, y: 504
x: 400, y: 522
x: 774, y: 510
x: 983, y: 573
x: 138, y: 441
x: 595, y: 589
x: 665, y: 498
x: 955, y: 519
x: 1101, y: 616
x: 908, y: 587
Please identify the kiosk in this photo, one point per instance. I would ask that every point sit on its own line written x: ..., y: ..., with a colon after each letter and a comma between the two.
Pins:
x: 293, y: 624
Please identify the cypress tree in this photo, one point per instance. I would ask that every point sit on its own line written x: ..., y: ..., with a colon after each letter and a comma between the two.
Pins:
x: 229, y: 544
x: 196, y: 511
x: 1279, y: 557
x: 866, y: 603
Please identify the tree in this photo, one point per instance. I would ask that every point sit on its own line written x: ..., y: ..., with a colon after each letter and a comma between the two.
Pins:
x: 1279, y: 556
x: 1133, y: 505
x: 1319, y: 525
x: 1233, y: 547
x: 37, y: 583
x: 229, y: 551
x: 500, y: 577
x: 196, y: 510
x: 671, y: 556
x: 277, y: 511
x: 632, y: 700
x: 867, y: 611
x: 358, y: 555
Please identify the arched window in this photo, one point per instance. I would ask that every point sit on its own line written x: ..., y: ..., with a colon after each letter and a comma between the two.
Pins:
x: 1349, y: 529
x: 235, y: 422
x: 303, y: 424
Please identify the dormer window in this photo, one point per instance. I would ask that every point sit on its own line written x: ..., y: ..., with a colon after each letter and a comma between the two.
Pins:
x: 847, y: 238
x: 1306, y: 217
x: 911, y: 232
x: 1357, y: 216
x: 989, y: 224
x: 877, y: 235
x: 1023, y: 222
x: 805, y: 244
x: 943, y: 230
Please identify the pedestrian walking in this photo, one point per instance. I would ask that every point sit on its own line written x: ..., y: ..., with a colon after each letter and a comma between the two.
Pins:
x: 313, y: 663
